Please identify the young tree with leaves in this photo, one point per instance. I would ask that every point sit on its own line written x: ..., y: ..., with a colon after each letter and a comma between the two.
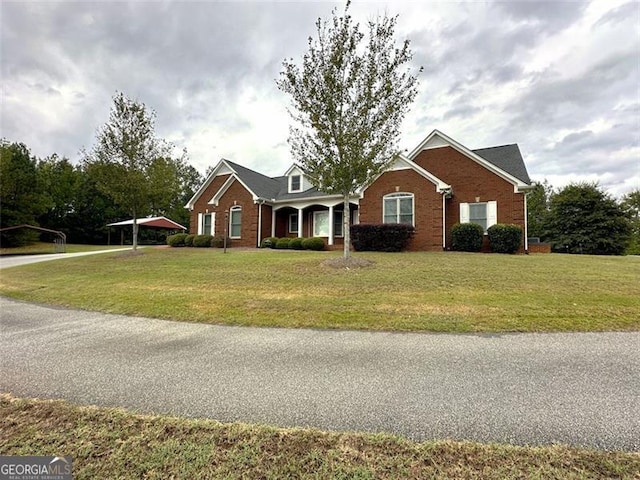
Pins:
x: 348, y: 99
x: 122, y: 161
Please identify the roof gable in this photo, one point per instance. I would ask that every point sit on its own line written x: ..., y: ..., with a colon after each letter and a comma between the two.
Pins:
x: 505, y: 161
x: 403, y: 163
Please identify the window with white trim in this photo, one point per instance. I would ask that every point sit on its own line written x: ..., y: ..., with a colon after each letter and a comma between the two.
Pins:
x: 295, y: 183
x: 484, y: 214
x: 398, y: 208
x: 206, y: 224
x: 293, y: 223
x: 321, y: 223
x: 235, y: 222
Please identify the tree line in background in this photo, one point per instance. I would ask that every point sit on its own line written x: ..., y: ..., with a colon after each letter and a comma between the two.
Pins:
x: 131, y: 173
x: 582, y: 218
x: 80, y: 200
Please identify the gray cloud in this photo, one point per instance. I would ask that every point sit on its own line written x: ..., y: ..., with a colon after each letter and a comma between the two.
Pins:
x: 208, y: 70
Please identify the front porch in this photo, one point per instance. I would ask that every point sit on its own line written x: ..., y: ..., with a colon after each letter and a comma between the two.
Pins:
x: 313, y: 220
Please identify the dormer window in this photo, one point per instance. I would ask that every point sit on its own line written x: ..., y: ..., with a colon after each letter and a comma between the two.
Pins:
x: 295, y: 183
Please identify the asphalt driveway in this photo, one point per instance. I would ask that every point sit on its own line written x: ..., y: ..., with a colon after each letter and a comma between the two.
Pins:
x: 579, y: 389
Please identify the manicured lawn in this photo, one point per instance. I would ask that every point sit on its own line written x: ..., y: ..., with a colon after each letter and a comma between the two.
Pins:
x: 439, y: 292
x: 110, y: 443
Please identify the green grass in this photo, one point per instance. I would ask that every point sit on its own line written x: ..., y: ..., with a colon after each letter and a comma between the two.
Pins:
x: 113, y: 443
x: 43, y: 248
x: 439, y: 292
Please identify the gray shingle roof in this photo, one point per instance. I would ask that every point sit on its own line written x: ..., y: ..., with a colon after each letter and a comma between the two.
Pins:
x: 261, y: 185
x: 507, y: 158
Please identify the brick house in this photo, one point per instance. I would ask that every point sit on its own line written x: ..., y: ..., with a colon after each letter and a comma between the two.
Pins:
x: 440, y: 183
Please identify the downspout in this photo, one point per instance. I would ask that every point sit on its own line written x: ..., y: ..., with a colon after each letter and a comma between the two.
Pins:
x: 526, y: 224
x: 260, y: 222
x: 444, y: 221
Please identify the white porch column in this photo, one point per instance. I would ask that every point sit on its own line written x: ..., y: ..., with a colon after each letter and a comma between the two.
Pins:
x: 330, y: 225
x: 273, y: 221
x: 300, y: 222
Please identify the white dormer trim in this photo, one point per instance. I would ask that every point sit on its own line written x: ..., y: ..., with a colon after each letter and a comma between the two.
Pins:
x: 293, y: 171
x: 437, y: 139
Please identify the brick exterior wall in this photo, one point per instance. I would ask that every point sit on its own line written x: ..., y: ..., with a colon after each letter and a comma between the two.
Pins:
x: 427, y: 206
x: 471, y: 182
x: 236, y: 195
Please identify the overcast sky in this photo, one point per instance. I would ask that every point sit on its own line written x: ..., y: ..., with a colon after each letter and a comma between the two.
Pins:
x: 561, y: 79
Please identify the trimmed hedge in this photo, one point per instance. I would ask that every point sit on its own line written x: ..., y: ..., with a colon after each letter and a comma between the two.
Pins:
x: 313, y: 243
x: 218, y: 242
x: 188, y: 240
x: 504, y: 238
x: 295, y: 243
x: 467, y: 237
x: 202, y: 241
x: 176, y: 240
x: 282, y: 243
x: 269, y: 242
x: 384, y: 237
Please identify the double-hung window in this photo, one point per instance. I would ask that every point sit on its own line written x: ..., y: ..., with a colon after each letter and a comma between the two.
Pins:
x: 482, y: 213
x: 206, y: 224
x: 296, y: 183
x: 235, y: 222
x: 293, y: 223
x: 398, y: 208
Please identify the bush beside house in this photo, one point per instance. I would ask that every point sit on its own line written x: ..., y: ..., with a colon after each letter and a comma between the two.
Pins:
x: 504, y: 238
x: 466, y: 237
x: 387, y: 237
x: 176, y: 240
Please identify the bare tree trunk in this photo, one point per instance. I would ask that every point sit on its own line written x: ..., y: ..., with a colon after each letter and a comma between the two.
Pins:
x: 346, y: 215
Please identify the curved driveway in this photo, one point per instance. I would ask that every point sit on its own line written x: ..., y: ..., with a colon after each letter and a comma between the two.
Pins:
x: 579, y: 389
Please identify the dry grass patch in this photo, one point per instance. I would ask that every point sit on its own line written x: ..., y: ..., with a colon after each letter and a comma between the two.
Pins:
x: 113, y: 443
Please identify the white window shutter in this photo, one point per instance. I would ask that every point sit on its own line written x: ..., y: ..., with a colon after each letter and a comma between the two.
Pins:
x: 213, y: 224
x: 464, y: 213
x: 492, y: 213
x: 200, y: 222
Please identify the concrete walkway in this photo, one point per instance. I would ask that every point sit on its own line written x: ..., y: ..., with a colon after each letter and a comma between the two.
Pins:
x: 581, y: 389
x: 8, y: 261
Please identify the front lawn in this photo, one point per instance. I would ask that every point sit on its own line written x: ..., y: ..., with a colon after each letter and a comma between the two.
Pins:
x: 438, y: 292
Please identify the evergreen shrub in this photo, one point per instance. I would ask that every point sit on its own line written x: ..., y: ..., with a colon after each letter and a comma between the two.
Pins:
x: 383, y: 237
x: 176, y: 240
x: 218, y: 242
x: 283, y: 243
x: 269, y: 242
x: 202, y: 241
x: 313, y: 243
x: 467, y: 237
x: 504, y: 238
x: 295, y: 243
